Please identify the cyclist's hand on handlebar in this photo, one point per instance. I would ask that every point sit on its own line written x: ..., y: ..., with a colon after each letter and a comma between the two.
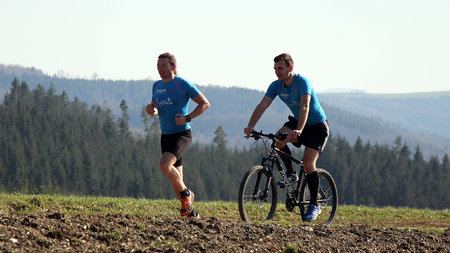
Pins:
x: 293, y: 134
x: 248, y: 131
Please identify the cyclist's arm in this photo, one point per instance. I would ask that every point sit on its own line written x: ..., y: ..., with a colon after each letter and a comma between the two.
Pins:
x: 302, y: 117
x: 257, y: 113
x: 303, y: 112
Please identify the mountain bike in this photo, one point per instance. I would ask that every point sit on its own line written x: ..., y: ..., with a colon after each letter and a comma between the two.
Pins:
x: 258, y: 191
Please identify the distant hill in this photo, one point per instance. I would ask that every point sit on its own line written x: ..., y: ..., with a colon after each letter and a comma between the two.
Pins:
x: 427, y: 113
x: 417, y: 119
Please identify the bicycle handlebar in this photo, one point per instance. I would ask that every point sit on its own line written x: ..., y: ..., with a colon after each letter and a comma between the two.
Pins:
x: 257, y: 135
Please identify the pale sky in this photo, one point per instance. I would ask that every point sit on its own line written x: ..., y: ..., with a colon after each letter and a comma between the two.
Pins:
x: 380, y: 46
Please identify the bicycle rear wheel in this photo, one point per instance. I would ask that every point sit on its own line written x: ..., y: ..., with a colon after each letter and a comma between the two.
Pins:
x: 257, y: 195
x: 327, y: 197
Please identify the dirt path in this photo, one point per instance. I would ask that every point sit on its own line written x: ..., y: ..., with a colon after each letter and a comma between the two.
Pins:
x: 57, y: 232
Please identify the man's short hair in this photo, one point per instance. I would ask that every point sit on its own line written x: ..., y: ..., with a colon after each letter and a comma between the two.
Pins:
x: 286, y: 58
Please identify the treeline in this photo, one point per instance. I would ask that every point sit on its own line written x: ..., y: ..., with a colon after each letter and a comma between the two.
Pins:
x: 51, y: 144
x: 231, y: 108
x: 382, y: 175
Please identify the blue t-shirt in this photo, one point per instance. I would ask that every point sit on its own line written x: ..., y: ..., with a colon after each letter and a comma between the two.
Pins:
x: 173, y: 98
x: 292, y: 94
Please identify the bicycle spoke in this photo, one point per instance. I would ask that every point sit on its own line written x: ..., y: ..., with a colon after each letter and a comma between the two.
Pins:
x: 256, y: 203
x: 326, y: 197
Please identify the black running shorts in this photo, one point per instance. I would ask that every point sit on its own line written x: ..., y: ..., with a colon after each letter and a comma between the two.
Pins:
x: 314, y: 136
x: 176, y: 144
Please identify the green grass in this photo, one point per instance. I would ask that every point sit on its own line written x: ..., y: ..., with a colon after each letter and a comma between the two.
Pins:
x: 364, y: 214
x: 405, y: 218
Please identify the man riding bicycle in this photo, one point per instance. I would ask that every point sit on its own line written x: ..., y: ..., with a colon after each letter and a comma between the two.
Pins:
x: 308, y: 126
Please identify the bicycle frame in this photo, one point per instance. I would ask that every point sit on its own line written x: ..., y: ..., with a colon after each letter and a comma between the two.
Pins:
x: 273, y: 160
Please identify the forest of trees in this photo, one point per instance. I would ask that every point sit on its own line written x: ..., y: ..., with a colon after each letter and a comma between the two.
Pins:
x: 51, y: 144
x: 231, y: 108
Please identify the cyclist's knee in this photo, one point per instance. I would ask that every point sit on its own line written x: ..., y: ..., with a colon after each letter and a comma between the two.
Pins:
x: 309, y: 167
x: 310, y: 157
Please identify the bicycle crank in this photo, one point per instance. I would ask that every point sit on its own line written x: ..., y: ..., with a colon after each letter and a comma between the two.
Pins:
x: 290, y: 204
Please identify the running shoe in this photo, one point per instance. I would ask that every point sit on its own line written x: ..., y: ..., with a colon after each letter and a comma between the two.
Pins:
x: 312, y: 213
x: 187, y: 204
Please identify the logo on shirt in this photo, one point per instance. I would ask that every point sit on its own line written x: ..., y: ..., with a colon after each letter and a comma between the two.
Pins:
x: 161, y: 91
x: 289, y: 100
x: 163, y: 102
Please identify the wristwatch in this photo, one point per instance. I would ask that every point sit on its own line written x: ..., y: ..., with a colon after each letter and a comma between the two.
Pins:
x: 188, y: 118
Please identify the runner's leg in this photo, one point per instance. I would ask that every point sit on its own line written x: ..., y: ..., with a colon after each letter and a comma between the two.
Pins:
x: 174, y: 174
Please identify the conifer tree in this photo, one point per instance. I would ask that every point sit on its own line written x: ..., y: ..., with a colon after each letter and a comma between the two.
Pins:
x: 124, y: 129
x: 220, y: 138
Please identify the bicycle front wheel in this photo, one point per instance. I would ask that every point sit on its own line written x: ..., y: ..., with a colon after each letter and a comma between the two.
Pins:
x: 327, y: 197
x: 257, y: 195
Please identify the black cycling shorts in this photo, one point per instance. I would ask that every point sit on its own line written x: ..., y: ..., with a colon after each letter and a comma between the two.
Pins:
x: 314, y: 136
x: 176, y: 144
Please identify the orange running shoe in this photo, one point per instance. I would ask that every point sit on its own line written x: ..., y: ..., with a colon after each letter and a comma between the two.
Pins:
x: 187, y: 204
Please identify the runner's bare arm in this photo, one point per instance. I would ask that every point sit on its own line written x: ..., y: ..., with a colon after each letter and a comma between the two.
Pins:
x: 202, y: 106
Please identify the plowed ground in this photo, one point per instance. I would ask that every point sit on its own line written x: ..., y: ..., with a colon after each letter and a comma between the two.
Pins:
x: 56, y: 232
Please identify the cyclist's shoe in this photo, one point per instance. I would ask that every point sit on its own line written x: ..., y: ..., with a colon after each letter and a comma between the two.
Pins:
x: 292, y: 178
x: 187, y: 204
x: 193, y: 215
x: 312, y: 213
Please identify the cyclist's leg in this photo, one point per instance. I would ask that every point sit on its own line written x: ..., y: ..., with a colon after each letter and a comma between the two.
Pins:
x: 282, y: 145
x: 287, y: 127
x: 309, y: 162
x: 314, y: 138
x: 310, y: 157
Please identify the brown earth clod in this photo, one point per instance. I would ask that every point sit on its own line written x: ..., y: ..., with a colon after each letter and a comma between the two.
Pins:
x: 53, y: 232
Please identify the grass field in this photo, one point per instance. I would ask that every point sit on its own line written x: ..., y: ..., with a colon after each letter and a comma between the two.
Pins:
x: 407, y: 218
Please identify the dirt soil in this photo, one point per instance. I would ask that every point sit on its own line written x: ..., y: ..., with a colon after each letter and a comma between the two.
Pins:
x: 56, y: 232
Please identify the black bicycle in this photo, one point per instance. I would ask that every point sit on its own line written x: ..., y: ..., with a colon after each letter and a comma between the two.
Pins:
x: 258, y: 190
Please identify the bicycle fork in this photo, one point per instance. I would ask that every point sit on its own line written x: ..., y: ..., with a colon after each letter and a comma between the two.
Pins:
x: 266, y: 188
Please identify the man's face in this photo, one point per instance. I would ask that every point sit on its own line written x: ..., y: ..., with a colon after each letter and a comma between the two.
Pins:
x: 164, y: 68
x: 281, y: 70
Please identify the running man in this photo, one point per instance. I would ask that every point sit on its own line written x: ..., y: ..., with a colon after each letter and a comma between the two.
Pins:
x: 170, y: 101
